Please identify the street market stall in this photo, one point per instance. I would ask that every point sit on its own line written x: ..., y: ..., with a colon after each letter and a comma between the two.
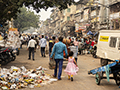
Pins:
x: 13, y: 39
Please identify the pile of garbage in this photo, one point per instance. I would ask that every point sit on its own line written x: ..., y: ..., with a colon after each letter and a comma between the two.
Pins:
x: 17, y: 78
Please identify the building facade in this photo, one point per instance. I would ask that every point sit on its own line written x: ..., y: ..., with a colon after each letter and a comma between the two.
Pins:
x: 93, y: 16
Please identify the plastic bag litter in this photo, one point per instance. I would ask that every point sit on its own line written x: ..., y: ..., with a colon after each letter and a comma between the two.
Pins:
x: 17, y: 78
x: 31, y: 86
x: 23, y: 69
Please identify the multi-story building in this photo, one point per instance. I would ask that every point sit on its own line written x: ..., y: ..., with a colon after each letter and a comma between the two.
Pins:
x: 55, y: 21
x: 114, y: 15
x: 93, y: 15
x: 109, y: 14
x: 68, y: 24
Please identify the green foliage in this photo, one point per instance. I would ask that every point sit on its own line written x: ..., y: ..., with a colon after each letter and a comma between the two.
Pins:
x: 26, y: 18
x: 9, y: 8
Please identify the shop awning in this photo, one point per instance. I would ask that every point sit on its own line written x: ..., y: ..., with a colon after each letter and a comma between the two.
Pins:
x: 80, y: 29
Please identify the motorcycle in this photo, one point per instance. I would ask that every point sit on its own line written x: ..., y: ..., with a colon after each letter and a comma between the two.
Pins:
x: 12, y: 54
x: 6, y: 55
x: 94, y: 51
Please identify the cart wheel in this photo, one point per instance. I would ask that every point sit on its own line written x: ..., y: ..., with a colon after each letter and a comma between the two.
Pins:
x: 117, y: 78
x: 98, y: 78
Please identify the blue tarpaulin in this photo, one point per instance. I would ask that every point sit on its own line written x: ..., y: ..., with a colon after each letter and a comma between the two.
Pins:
x: 95, y: 33
x: 89, y: 33
x: 94, y: 71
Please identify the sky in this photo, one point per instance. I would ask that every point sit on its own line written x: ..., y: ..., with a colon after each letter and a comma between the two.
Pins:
x: 45, y: 14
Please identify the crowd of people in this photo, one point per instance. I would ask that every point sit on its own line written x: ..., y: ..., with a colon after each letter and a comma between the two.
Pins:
x: 76, y: 46
x: 72, y: 47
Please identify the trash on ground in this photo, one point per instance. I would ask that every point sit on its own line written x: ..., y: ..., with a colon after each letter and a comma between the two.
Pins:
x: 17, y: 78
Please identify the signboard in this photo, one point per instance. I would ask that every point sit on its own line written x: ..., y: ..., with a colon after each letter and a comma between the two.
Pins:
x: 104, y: 38
x: 114, y: 16
x: 86, y: 14
x: 76, y: 26
x: 93, y: 13
x: 13, y: 29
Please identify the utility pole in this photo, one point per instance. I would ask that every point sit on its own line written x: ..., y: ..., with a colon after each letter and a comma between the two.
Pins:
x: 60, y: 22
x: 107, y: 13
x: 89, y: 14
x: 96, y: 17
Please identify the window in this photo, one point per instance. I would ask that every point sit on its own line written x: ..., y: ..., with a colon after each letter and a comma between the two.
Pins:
x: 68, y: 10
x: 113, y: 41
x: 63, y: 12
x: 118, y: 43
x: 117, y: 24
x: 68, y: 18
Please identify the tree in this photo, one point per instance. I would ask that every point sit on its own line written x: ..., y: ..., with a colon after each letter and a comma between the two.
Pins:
x: 9, y: 8
x: 25, y: 19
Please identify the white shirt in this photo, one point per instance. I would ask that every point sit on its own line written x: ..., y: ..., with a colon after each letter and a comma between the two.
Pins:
x: 32, y: 43
x: 74, y: 49
x: 43, y: 42
x: 21, y: 38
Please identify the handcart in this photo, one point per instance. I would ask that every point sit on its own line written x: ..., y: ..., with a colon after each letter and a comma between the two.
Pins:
x: 113, y: 68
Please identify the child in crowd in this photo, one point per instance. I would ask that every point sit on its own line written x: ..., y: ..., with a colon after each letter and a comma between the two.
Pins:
x: 71, y: 68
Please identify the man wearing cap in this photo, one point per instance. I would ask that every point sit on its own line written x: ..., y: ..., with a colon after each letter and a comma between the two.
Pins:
x: 31, y: 47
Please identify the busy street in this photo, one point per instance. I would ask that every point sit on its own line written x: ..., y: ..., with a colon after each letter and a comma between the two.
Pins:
x: 59, y: 44
x: 82, y: 80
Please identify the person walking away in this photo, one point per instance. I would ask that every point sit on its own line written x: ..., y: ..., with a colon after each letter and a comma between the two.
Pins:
x: 74, y: 49
x: 21, y: 39
x: 43, y: 44
x: 76, y: 43
x: 80, y: 48
x: 58, y: 49
x: 51, y: 43
x: 31, y: 47
x: 36, y: 43
x: 71, y: 68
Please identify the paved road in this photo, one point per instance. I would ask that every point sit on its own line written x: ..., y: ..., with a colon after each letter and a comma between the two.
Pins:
x: 82, y: 81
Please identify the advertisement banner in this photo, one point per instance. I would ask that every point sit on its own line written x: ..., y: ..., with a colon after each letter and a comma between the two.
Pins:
x: 104, y: 38
x: 13, y: 29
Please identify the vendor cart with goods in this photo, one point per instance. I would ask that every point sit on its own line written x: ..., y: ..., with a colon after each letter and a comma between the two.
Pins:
x: 113, y: 68
x: 52, y: 61
x: 13, y: 40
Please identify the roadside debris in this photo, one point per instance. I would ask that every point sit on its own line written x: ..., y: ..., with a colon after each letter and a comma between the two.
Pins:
x: 17, y: 78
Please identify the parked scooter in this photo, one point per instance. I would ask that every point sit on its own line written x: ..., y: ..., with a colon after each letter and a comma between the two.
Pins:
x: 11, y: 54
x: 93, y: 51
x: 4, y: 56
